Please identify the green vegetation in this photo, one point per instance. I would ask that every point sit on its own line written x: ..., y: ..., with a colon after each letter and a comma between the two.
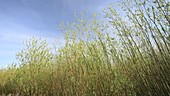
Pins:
x: 122, y: 56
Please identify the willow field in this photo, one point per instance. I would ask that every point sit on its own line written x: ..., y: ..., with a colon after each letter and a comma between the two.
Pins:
x: 124, y: 54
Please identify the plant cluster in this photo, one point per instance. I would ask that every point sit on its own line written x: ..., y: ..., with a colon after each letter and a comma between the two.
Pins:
x: 127, y: 54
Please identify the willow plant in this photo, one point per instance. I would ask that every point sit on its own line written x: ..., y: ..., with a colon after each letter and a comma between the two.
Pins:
x: 126, y: 54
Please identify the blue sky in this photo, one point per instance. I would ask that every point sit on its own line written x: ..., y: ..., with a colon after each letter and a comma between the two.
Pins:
x: 22, y: 19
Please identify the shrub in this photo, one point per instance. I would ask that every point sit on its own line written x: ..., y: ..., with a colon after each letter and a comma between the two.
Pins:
x: 121, y: 56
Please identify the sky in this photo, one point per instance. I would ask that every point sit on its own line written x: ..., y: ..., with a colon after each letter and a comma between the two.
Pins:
x: 22, y: 19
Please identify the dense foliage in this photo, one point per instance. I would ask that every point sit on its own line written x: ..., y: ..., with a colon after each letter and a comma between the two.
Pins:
x: 127, y: 54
